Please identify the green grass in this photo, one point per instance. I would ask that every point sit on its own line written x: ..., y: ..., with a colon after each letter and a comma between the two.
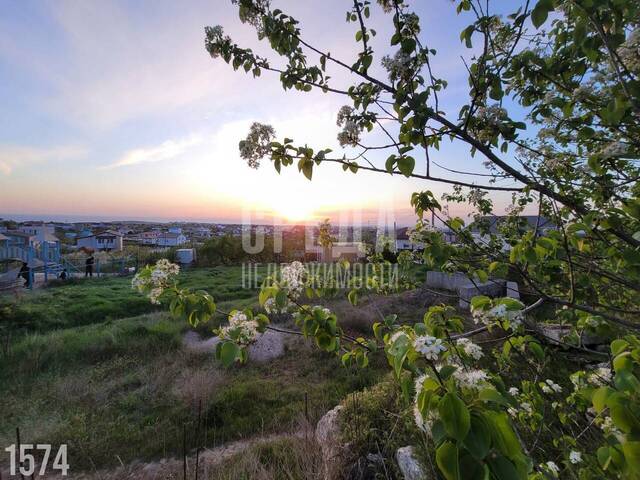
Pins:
x: 82, y: 302
x: 91, y: 363
x: 124, y: 389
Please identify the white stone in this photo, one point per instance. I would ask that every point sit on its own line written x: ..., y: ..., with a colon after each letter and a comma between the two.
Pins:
x: 409, y: 464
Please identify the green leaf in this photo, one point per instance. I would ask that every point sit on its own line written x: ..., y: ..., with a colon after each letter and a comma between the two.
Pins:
x: 541, y: 12
x: 455, y: 416
x: 504, y: 438
x: 353, y: 297
x: 503, y: 469
x: 229, y: 352
x: 478, y: 440
x: 466, y: 35
x: 600, y: 397
x: 447, y: 460
x: 631, y: 452
x: 406, y: 165
x: 408, y: 45
x: 492, y: 395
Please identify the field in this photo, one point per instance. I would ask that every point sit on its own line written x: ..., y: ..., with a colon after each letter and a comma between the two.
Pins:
x: 92, y: 364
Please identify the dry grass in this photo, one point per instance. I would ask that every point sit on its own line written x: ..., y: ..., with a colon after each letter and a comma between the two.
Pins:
x: 197, y: 386
x: 410, y: 307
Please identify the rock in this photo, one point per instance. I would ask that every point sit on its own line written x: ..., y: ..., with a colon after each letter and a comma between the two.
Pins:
x: 409, y: 464
x: 554, y: 332
x: 513, y: 291
x: 328, y: 437
x: 268, y: 345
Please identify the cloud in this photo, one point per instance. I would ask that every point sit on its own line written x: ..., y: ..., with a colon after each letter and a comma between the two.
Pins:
x: 16, y: 156
x: 167, y: 150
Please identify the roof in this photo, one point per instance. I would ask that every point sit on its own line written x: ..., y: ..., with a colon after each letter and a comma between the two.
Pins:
x: 112, y: 233
x: 170, y: 235
x: 15, y: 233
x: 2, y: 237
x: 402, y: 233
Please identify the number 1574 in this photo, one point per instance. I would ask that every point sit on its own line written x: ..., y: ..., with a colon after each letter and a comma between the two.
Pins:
x: 27, y: 460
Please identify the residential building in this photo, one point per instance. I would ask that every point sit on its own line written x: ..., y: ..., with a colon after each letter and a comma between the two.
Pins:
x: 169, y: 239
x: 109, y: 240
x: 403, y: 241
x: 150, y: 237
x: 40, y: 231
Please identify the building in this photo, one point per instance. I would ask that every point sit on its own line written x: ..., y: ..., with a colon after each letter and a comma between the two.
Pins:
x: 20, y: 239
x: 149, y: 238
x: 169, y: 239
x: 403, y: 241
x: 109, y: 240
x: 40, y: 232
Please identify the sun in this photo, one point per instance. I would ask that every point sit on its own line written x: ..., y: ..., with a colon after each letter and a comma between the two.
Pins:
x: 295, y: 211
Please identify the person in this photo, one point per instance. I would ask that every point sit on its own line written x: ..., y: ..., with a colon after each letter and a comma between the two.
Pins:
x: 63, y: 274
x: 88, y: 266
x: 24, y: 273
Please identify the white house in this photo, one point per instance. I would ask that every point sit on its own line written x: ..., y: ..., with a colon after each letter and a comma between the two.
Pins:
x: 169, y: 239
x: 41, y: 231
x: 108, y: 240
x: 150, y: 238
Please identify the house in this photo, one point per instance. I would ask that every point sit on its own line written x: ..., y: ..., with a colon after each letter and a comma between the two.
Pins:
x: 40, y: 231
x: 149, y: 238
x: 20, y: 239
x: 175, y: 229
x: 403, y: 241
x: 109, y: 240
x: 169, y: 239
x: 4, y: 241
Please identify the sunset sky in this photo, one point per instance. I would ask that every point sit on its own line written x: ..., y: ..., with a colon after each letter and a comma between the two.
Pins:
x: 115, y: 110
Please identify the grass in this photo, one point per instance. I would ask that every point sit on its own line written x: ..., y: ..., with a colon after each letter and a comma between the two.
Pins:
x: 93, y: 364
x: 82, y: 302
x: 124, y: 389
x: 282, y: 458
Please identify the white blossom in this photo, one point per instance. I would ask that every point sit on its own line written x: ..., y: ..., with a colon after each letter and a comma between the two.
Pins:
x: 470, y: 378
x: 600, y: 376
x: 470, y: 348
x: 430, y: 347
x: 526, y: 407
x: 575, y: 457
x: 553, y: 386
x: 257, y: 144
x: 240, y: 330
x: 152, y: 281
x: 294, y: 276
x: 514, y: 391
x: 553, y: 468
x: 399, y: 66
x: 350, y: 134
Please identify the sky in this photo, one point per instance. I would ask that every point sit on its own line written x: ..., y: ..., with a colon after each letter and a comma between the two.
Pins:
x: 113, y: 109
